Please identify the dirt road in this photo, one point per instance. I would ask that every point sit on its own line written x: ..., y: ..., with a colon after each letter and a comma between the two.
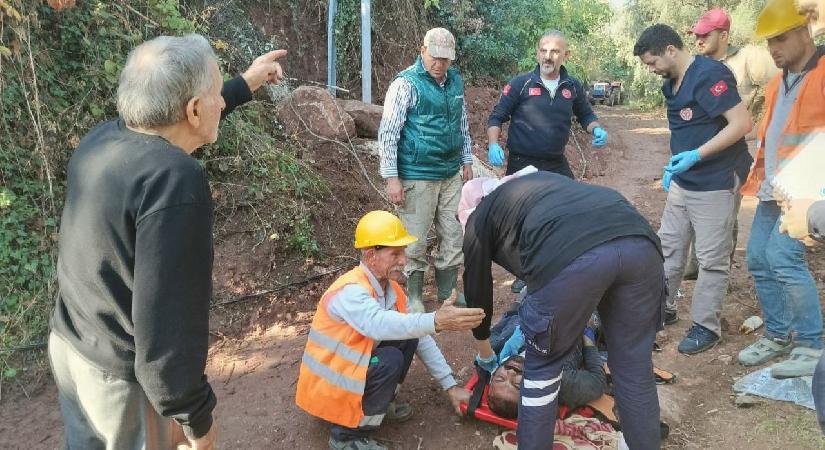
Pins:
x: 254, y: 372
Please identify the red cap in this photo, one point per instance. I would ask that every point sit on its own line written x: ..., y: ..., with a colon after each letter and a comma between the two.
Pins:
x: 715, y: 19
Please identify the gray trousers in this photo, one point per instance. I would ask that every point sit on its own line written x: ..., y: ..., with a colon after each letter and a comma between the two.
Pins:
x: 427, y: 202
x: 104, y: 412
x: 709, y: 216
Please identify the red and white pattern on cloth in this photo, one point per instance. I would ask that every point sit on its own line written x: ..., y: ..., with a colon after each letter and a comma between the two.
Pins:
x: 686, y: 114
x: 574, y: 433
x: 506, y: 90
x: 719, y: 88
x: 566, y: 93
x: 534, y: 91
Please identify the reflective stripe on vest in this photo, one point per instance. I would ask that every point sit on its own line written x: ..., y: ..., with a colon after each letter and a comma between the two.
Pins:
x: 795, y: 140
x: 343, y: 382
x: 372, y: 421
x: 334, y: 346
x: 334, y: 366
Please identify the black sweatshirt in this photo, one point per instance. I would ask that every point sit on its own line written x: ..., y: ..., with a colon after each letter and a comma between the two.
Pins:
x: 534, y: 226
x: 135, y: 265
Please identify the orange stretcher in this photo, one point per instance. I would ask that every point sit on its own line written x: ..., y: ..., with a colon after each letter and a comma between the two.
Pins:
x: 603, y: 406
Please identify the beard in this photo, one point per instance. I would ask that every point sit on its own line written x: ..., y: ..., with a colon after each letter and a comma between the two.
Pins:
x: 547, y: 68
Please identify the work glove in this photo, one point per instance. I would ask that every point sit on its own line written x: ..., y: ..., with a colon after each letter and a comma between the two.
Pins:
x: 495, y: 154
x: 683, y: 161
x: 599, y: 137
x: 513, y: 345
x: 666, y: 176
x: 490, y: 364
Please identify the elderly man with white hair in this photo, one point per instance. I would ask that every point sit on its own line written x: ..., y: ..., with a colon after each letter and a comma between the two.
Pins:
x: 579, y: 247
x: 130, y: 329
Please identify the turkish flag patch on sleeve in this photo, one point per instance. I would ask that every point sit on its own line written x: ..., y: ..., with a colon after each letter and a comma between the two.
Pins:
x: 506, y: 90
x: 719, y: 88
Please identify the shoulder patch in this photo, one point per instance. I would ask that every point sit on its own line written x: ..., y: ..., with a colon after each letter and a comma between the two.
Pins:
x: 506, y: 89
x: 719, y: 88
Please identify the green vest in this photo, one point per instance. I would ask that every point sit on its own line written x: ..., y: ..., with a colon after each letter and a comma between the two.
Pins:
x: 431, y: 140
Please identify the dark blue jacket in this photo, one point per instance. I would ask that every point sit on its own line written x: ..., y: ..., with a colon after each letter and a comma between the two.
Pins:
x: 540, y: 124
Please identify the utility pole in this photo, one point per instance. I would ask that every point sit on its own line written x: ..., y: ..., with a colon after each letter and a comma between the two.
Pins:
x: 366, y: 50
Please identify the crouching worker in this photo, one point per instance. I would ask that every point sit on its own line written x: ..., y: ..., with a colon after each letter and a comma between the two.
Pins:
x: 579, y: 247
x: 582, y: 378
x: 362, y: 340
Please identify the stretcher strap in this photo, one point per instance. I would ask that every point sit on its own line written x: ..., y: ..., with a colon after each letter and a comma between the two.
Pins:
x: 478, y: 391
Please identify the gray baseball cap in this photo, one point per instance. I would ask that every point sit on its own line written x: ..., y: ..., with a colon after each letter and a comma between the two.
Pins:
x: 440, y: 43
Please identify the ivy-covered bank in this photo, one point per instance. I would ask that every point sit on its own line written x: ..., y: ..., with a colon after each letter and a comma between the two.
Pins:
x: 58, y: 77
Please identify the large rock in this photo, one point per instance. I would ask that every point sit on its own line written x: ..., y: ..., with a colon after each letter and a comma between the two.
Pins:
x: 312, y: 114
x: 367, y: 117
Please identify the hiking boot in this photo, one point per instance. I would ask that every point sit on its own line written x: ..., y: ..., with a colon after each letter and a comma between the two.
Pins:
x: 358, y: 444
x: 698, y: 340
x: 415, y: 291
x: 517, y: 286
x: 802, y: 363
x: 764, y: 350
x: 445, y: 281
x: 671, y: 317
x: 398, y: 412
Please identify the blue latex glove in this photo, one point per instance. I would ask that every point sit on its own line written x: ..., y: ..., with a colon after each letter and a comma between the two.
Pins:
x: 666, y: 176
x: 495, y: 154
x: 683, y: 161
x: 513, y: 345
x: 490, y: 364
x: 590, y: 333
x: 599, y: 137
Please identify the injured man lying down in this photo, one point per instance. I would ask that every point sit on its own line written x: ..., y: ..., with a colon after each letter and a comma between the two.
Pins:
x: 583, y: 377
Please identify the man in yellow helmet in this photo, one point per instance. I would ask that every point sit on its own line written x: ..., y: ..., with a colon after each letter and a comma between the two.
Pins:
x: 795, y: 114
x: 363, y: 338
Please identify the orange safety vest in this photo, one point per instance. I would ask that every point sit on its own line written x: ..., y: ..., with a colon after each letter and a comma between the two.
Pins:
x: 334, y: 366
x: 806, y: 119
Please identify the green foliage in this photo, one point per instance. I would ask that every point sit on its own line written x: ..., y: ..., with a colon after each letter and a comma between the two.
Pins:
x: 58, y: 78
x: 497, y: 39
x: 645, y: 89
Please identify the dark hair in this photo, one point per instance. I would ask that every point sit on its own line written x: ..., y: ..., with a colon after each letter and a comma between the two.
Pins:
x: 655, y: 40
x: 505, y: 408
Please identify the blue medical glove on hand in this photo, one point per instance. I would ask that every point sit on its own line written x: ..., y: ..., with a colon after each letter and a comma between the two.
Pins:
x: 513, y: 345
x: 599, y: 137
x: 495, y: 154
x: 684, y: 161
x: 666, y: 176
x: 490, y: 364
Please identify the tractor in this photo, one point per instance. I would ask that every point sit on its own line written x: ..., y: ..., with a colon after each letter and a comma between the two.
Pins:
x: 606, y: 92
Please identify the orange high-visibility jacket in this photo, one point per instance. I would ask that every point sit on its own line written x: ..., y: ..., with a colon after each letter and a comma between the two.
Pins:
x: 334, y: 366
x: 806, y: 119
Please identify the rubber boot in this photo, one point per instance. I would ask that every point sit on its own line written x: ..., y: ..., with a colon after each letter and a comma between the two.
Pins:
x: 446, y: 281
x: 415, y: 289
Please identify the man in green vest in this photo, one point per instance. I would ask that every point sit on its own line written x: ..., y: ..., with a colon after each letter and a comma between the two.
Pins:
x: 424, y: 140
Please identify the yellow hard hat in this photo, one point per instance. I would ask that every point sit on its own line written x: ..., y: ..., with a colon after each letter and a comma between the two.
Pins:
x: 777, y: 17
x: 381, y: 228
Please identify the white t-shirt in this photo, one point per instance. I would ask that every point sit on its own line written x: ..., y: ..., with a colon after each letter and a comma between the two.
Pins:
x: 551, y: 85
